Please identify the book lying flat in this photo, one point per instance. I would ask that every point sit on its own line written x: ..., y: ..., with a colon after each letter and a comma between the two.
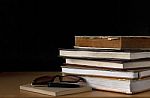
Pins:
x: 106, y: 53
x: 131, y: 74
x: 127, y: 86
x: 113, y: 41
x: 110, y: 63
x: 55, y: 91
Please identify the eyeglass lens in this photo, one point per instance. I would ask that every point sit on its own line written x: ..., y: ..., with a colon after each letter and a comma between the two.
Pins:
x: 45, y: 79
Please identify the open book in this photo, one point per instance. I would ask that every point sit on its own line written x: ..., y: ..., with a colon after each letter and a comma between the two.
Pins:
x: 55, y: 91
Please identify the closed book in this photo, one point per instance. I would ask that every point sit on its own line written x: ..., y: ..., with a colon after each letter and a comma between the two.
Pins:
x: 129, y: 74
x: 106, y: 53
x: 127, y: 86
x: 110, y: 63
x: 55, y: 91
x: 142, y: 42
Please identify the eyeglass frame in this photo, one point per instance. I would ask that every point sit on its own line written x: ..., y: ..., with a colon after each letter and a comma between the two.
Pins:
x: 60, y: 79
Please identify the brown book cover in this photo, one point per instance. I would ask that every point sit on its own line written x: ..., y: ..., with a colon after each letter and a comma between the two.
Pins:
x: 113, y: 41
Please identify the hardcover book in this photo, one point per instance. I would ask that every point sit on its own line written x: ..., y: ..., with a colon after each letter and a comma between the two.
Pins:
x: 128, y: 74
x: 106, y: 53
x: 142, y: 42
x: 110, y: 63
x: 127, y: 86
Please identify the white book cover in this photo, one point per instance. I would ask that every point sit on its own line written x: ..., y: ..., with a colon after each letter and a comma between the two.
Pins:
x: 131, y: 74
x: 110, y: 63
x: 55, y: 91
x: 105, y: 53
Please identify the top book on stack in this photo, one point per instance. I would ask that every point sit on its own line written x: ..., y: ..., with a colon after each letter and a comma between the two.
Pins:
x: 113, y: 42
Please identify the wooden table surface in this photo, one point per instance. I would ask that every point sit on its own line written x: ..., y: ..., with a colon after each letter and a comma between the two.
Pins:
x: 10, y: 82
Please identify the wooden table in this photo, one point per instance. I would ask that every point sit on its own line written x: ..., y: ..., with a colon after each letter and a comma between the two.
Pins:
x: 10, y: 82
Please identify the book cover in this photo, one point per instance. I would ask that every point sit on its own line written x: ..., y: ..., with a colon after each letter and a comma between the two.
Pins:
x: 106, y: 53
x: 110, y: 63
x: 55, y: 91
x: 113, y: 41
x: 113, y: 73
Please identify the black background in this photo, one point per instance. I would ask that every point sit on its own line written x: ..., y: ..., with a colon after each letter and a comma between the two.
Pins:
x: 32, y: 31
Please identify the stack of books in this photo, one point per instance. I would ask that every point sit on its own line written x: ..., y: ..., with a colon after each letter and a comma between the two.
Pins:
x: 111, y: 63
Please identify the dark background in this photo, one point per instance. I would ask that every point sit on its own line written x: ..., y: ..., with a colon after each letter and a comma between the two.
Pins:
x: 32, y: 31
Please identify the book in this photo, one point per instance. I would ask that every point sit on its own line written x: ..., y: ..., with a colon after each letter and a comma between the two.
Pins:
x: 142, y: 42
x: 106, y: 53
x: 55, y: 91
x: 110, y: 63
x: 127, y: 86
x: 129, y: 74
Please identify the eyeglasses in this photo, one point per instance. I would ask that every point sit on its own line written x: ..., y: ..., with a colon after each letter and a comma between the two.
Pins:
x: 58, y: 81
